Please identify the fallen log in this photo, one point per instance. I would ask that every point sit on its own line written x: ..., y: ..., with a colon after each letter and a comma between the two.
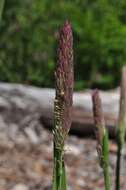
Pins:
x: 17, y: 102
x: 83, y: 124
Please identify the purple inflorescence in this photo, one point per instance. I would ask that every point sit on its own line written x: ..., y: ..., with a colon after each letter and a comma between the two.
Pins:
x: 64, y: 75
x: 98, y: 115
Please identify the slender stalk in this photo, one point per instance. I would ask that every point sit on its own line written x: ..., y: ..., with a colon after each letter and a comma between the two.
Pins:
x: 118, y: 168
x: 121, y: 126
x: 102, y: 137
x: 62, y: 104
x: 58, y: 167
x: 106, y: 177
x: 105, y: 161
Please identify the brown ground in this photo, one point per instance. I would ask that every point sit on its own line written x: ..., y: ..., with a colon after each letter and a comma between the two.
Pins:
x: 24, y: 166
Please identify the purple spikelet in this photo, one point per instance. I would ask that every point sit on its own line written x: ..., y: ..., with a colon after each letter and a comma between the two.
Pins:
x: 102, y: 137
x: 64, y: 77
x: 63, y: 103
x: 98, y: 116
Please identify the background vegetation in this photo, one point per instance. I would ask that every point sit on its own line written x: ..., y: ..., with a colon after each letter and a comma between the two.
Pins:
x: 28, y: 36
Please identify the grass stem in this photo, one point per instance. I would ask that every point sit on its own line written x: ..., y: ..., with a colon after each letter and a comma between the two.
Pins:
x: 105, y: 162
x: 102, y: 137
x: 118, y: 165
x: 120, y: 130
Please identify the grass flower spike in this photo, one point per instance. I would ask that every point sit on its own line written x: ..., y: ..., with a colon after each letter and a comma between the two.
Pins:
x: 121, y: 125
x: 98, y: 117
x: 122, y: 111
x: 63, y: 103
x: 101, y: 136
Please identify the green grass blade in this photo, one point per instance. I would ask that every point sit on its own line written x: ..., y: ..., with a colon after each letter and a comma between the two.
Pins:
x: 63, y: 183
x: 57, y: 169
x: 59, y: 175
x: 105, y: 161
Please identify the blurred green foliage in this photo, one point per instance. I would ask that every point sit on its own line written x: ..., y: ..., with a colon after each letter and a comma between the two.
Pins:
x: 28, y: 36
x: 1, y: 7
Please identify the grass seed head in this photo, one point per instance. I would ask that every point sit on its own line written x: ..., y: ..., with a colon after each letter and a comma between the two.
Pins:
x: 98, y: 116
x: 64, y: 76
